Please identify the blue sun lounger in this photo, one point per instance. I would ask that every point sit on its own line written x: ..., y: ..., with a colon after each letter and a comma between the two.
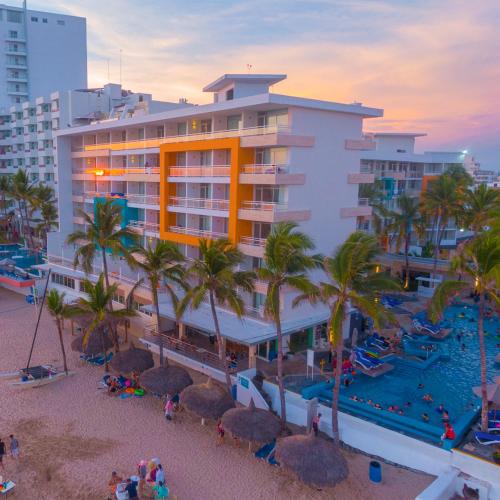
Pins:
x: 486, y: 438
x: 266, y: 450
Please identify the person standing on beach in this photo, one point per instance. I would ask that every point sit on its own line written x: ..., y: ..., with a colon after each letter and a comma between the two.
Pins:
x: 315, y: 424
x: 160, y: 474
x: 169, y: 408
x: 2, y: 452
x: 14, y: 447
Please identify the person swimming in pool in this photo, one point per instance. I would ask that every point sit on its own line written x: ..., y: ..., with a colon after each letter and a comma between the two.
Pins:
x: 420, y: 386
x: 440, y: 408
x: 445, y: 417
x: 425, y: 417
x: 401, y: 412
x: 427, y: 398
x: 377, y: 406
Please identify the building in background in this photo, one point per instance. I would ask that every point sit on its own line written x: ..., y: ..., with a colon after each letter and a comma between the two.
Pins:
x: 27, y: 133
x: 41, y: 52
x: 231, y: 169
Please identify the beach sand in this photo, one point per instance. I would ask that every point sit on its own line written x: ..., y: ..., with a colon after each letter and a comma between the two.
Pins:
x: 72, y: 435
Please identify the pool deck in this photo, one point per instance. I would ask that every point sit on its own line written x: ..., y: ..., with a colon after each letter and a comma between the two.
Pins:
x: 376, y: 372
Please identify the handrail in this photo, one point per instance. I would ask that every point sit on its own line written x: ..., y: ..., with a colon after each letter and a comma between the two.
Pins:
x: 264, y: 168
x: 202, y: 233
x: 251, y: 240
x: 154, y: 142
x: 144, y: 199
x: 114, y: 171
x: 263, y: 205
x: 148, y: 226
x: 199, y: 171
x: 363, y: 202
x: 203, y: 203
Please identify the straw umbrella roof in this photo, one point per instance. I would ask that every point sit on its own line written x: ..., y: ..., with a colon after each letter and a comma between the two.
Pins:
x: 207, y: 400
x: 94, y: 343
x: 252, y: 424
x: 132, y: 360
x: 313, y: 460
x: 164, y: 380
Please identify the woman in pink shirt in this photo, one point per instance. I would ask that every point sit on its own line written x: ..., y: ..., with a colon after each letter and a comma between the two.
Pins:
x: 169, y: 408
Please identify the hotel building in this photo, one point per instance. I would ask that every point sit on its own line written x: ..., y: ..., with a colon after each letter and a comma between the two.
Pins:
x: 232, y: 168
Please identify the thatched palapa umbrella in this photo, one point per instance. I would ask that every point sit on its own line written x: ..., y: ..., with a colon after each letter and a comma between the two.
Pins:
x: 132, y: 360
x: 252, y: 424
x: 164, y: 380
x: 207, y: 400
x: 94, y: 345
x: 313, y: 460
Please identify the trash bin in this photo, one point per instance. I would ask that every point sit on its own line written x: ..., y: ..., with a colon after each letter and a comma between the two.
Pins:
x: 375, y: 472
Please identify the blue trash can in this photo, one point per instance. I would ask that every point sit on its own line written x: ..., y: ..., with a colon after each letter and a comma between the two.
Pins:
x: 375, y: 472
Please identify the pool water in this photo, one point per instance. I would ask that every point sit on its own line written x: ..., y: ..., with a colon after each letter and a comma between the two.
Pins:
x: 449, y: 381
x: 23, y: 257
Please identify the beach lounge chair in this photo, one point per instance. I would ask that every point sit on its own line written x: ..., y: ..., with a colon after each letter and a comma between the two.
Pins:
x: 486, y: 438
x: 266, y: 450
x: 363, y: 361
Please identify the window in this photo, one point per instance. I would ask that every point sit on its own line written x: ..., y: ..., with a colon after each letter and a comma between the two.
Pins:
x: 60, y: 22
x: 230, y: 95
x: 48, y: 177
x: 14, y: 16
x: 206, y: 158
x: 62, y: 280
x: 182, y: 128
x: 273, y: 118
x: 269, y: 194
x: 160, y: 132
x: 118, y: 298
x: 12, y: 34
x: 206, y: 126
x: 44, y: 20
x: 233, y: 122
x: 34, y: 19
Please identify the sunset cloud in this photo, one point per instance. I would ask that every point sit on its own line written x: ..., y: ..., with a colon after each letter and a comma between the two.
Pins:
x: 434, y: 66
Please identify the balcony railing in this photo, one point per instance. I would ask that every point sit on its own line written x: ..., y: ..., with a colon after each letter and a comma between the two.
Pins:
x: 261, y: 169
x: 263, y: 205
x: 132, y: 198
x: 201, y: 203
x: 107, y: 171
x: 200, y: 171
x: 155, y: 142
x: 200, y: 233
x: 153, y: 227
x: 363, y: 202
x: 251, y: 240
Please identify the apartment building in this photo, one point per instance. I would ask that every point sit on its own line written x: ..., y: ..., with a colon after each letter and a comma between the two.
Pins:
x: 42, y: 52
x: 232, y: 168
x: 27, y: 132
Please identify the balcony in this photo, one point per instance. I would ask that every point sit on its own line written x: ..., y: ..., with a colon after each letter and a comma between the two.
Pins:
x: 250, y: 137
x: 252, y: 246
x: 361, y: 178
x: 198, y: 204
x: 133, y: 199
x: 200, y: 233
x: 269, y: 174
x: 196, y: 173
x: 141, y: 227
x: 264, y: 211
x: 106, y: 171
x: 362, y: 210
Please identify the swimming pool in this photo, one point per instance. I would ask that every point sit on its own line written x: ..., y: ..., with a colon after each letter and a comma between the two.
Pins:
x: 448, y: 379
x: 23, y: 257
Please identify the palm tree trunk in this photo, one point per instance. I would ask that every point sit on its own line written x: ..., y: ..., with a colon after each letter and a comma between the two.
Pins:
x: 336, y: 388
x: 32, y: 243
x: 106, y: 366
x: 281, y: 386
x: 407, y: 262
x: 114, y: 327
x: 482, y: 357
x: 439, y: 236
x: 154, y: 291
x: 220, y: 342
x: 61, y: 341
x: 23, y: 226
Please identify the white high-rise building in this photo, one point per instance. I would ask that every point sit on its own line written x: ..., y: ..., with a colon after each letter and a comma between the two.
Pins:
x: 42, y: 52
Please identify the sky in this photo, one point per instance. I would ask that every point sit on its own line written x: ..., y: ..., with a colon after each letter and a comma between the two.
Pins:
x: 432, y: 65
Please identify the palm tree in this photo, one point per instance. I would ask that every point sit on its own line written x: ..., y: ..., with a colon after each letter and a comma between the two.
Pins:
x: 441, y: 202
x: 402, y: 225
x: 48, y: 220
x: 59, y: 310
x: 286, y: 263
x: 160, y: 263
x: 5, y: 181
x: 22, y: 190
x: 98, y: 307
x: 101, y: 236
x: 480, y: 261
x: 352, y: 280
x: 480, y: 207
x: 217, y: 280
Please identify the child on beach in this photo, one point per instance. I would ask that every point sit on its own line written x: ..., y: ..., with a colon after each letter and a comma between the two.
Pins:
x: 169, y: 408
x: 220, y: 432
x: 14, y: 447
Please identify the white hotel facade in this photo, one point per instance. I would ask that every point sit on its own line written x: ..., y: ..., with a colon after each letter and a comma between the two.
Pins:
x: 232, y: 168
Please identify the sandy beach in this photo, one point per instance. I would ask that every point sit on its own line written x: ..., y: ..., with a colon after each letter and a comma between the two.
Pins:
x: 72, y: 435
